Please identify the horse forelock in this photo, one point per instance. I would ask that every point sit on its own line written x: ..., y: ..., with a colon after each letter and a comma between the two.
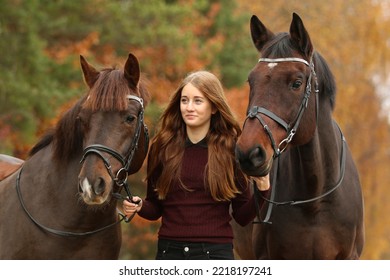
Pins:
x: 279, y: 46
x: 110, y: 92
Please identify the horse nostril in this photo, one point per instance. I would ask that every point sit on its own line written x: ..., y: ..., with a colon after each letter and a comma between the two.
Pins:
x: 99, y: 186
x: 254, y: 158
x: 257, y: 156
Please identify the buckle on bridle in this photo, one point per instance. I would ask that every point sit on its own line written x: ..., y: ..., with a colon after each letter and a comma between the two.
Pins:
x: 284, y: 143
x: 252, y: 112
x: 121, y: 177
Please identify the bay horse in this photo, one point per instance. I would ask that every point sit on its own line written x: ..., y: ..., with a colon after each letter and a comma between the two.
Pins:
x: 59, y: 204
x: 314, y: 209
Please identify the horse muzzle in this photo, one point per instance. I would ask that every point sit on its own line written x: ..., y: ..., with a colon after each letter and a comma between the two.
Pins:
x: 94, y: 192
x: 253, y: 161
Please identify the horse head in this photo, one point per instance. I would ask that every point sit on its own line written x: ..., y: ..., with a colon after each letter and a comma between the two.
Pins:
x: 282, y: 105
x: 115, y: 140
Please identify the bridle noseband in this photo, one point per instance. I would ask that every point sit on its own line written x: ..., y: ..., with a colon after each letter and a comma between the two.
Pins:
x: 291, y: 129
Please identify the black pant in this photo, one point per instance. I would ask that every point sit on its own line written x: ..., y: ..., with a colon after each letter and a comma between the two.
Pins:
x: 178, y: 250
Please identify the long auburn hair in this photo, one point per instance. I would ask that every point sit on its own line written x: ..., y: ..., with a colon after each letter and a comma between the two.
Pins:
x: 168, y: 145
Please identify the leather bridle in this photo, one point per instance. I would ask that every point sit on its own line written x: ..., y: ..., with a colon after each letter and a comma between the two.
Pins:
x: 291, y: 129
x: 120, y: 178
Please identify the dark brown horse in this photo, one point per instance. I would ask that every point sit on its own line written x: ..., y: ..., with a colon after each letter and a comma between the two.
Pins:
x: 59, y: 204
x: 315, y: 205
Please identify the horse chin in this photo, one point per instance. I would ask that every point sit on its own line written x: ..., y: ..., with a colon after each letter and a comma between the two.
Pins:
x: 95, y: 200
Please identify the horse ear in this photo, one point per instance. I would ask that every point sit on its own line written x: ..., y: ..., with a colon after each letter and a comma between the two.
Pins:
x: 260, y: 34
x: 300, y: 37
x: 89, y: 72
x: 132, y: 71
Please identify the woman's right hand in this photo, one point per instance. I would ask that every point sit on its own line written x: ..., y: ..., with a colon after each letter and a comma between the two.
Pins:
x: 131, y: 207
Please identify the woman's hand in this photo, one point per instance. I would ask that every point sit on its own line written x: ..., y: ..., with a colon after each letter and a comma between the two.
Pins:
x: 131, y: 207
x: 263, y: 183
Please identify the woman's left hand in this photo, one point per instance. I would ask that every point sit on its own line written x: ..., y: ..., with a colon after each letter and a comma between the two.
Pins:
x: 263, y: 183
x: 131, y: 207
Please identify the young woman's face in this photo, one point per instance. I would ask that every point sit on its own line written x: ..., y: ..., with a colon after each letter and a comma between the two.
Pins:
x: 196, y: 109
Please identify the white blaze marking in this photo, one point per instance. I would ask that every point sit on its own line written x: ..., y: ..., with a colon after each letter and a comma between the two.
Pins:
x: 272, y: 65
x: 86, y: 187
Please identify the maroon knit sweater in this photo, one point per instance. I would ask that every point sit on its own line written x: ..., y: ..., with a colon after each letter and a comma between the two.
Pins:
x: 193, y: 215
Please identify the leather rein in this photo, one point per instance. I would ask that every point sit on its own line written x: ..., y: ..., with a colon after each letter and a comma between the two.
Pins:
x: 120, y: 179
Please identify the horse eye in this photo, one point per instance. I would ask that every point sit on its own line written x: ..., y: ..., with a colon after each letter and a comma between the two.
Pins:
x: 130, y: 119
x: 296, y: 85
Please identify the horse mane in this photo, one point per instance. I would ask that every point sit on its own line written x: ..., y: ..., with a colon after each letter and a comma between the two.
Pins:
x: 109, y: 93
x: 67, y: 135
x: 280, y: 46
x: 43, y: 142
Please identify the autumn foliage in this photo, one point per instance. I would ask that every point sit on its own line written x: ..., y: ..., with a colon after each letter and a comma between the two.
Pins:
x: 40, y: 74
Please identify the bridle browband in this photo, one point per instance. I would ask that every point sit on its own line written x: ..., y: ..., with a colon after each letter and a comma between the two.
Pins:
x: 284, y: 59
x: 120, y: 179
x: 291, y: 129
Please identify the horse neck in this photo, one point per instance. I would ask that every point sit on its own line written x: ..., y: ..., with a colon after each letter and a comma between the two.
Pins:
x: 319, y: 159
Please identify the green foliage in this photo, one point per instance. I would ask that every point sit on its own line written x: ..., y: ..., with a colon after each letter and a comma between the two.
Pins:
x: 144, y: 23
x: 31, y: 84
x: 237, y: 55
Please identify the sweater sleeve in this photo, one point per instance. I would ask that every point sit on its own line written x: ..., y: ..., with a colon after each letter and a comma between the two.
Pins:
x: 244, y: 204
x: 151, y: 208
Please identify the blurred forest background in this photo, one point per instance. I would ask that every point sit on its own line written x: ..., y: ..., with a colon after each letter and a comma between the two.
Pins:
x: 40, y: 77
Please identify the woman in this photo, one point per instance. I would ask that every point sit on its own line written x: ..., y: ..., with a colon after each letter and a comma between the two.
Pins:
x: 192, y: 175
